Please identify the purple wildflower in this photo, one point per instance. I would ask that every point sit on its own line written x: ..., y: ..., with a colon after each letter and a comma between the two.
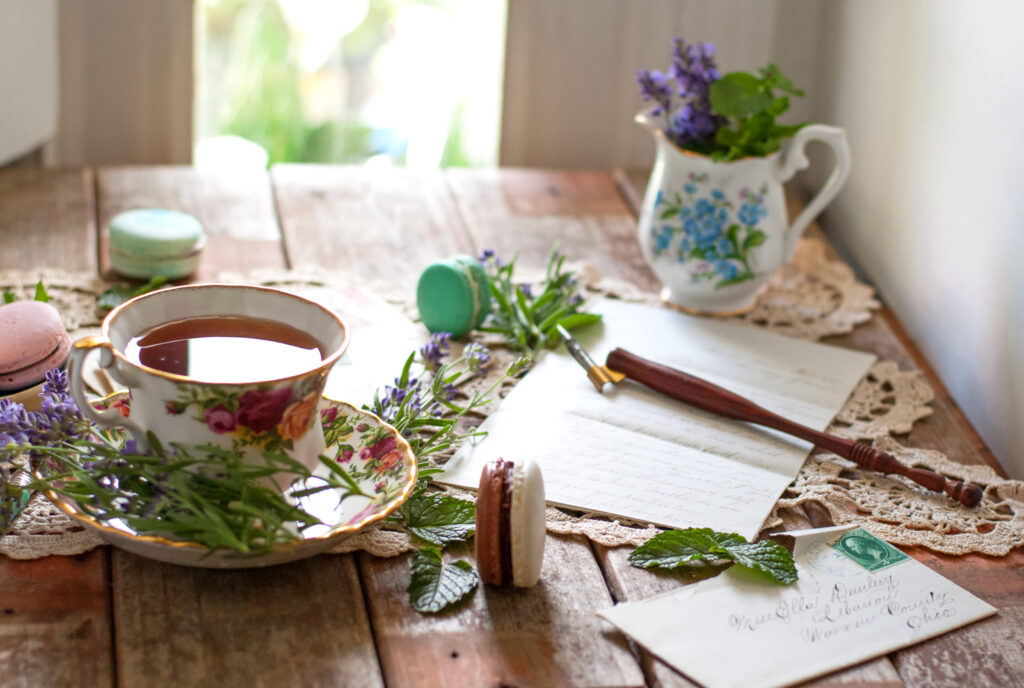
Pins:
x: 654, y: 86
x: 693, y: 68
x: 691, y: 123
x: 433, y: 352
x: 394, y: 398
x: 520, y: 365
x: 58, y: 418
x: 477, y: 358
x: 490, y: 259
x: 526, y: 289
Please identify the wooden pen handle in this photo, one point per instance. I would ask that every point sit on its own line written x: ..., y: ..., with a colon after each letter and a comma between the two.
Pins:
x: 709, y: 397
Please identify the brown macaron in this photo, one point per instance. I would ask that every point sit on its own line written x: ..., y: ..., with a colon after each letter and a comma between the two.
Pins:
x: 510, y: 523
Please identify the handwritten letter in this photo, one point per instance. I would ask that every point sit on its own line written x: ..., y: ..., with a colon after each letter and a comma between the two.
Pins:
x: 837, y: 614
x: 634, y: 453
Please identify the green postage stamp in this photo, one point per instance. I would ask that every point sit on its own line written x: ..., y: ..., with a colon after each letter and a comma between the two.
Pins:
x: 868, y: 551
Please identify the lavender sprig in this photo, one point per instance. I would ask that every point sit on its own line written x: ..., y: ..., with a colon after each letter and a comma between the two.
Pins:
x: 691, y: 123
x: 58, y: 419
x: 212, y: 496
x: 527, y: 321
x: 423, y: 407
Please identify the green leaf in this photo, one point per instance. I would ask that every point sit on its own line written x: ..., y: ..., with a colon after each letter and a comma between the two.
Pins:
x: 755, y: 238
x: 434, y: 586
x: 676, y: 548
x: 41, y: 294
x: 115, y: 296
x: 9, y: 296
x: 733, y: 233
x: 669, y: 213
x: 575, y: 320
x: 774, y: 78
x: 439, y: 519
x: 767, y: 557
x: 738, y: 94
x: 735, y: 280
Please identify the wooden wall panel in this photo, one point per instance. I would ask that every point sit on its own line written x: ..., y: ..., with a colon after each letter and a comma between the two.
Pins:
x: 570, y: 92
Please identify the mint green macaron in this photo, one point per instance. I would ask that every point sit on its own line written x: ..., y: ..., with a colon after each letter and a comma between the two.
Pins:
x: 154, y: 242
x: 453, y: 295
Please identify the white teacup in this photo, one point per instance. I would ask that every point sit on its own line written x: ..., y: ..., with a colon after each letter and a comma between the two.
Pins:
x: 264, y: 410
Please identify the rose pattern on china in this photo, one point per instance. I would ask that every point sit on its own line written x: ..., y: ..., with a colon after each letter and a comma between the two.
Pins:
x: 370, y: 452
x: 714, y: 235
x: 269, y: 417
x: 261, y: 410
x: 220, y: 420
x: 298, y: 417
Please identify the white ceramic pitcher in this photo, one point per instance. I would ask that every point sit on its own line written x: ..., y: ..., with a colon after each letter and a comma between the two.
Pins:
x: 714, y: 232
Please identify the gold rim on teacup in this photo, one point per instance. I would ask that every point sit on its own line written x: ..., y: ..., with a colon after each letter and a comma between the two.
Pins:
x: 105, y: 341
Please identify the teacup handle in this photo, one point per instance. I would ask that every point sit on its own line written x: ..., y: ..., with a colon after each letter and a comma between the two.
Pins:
x: 110, y: 418
x: 796, y: 160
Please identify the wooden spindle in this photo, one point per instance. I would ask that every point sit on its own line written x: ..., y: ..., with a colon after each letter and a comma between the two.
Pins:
x: 710, y: 397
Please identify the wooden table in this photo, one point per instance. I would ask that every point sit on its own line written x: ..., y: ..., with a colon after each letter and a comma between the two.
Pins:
x: 110, y: 618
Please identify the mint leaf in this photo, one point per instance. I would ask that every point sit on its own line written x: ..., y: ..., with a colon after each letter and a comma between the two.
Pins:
x: 434, y: 585
x: 439, y: 519
x: 677, y: 547
x: 115, y: 296
x: 739, y: 95
x: 694, y: 546
x: 767, y: 557
x: 41, y: 294
x: 9, y: 296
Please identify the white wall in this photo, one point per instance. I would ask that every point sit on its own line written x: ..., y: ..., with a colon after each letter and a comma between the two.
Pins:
x: 931, y: 93
x: 28, y: 75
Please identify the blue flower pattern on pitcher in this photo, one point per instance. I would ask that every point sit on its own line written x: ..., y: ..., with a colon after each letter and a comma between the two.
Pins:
x: 698, y: 231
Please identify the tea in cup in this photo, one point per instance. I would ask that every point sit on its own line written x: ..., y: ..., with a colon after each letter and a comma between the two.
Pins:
x: 234, y: 366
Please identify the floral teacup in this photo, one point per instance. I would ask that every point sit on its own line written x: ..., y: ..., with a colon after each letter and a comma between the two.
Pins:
x: 265, y: 412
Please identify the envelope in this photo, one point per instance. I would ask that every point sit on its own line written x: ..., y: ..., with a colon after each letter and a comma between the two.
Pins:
x: 856, y: 597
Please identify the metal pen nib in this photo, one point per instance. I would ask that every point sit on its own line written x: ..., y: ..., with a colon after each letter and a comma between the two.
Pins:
x: 599, y: 375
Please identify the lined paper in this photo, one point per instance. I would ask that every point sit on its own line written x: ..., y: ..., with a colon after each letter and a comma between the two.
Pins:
x: 636, y: 454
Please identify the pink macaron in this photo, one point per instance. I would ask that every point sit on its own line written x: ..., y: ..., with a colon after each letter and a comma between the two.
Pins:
x: 33, y: 341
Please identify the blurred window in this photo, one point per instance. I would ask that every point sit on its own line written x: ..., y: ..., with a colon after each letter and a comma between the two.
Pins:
x: 406, y: 82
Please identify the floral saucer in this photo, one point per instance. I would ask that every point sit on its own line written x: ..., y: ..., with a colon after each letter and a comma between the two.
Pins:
x: 371, y: 451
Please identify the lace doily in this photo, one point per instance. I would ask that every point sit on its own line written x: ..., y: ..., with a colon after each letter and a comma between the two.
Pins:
x: 811, y: 298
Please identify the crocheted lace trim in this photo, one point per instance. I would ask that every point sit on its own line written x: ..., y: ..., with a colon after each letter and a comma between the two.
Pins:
x: 812, y: 297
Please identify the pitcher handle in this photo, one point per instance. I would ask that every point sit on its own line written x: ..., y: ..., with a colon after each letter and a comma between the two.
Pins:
x: 796, y: 160
x: 110, y: 418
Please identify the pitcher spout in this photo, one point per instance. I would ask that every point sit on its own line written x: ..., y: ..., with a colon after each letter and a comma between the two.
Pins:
x: 646, y: 120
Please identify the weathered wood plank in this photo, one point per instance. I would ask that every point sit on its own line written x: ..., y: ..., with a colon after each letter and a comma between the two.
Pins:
x: 389, y: 224
x: 47, y: 218
x: 542, y: 636
x: 302, y: 624
x: 530, y: 212
x: 375, y: 223
x: 55, y: 611
x: 55, y: 621
x: 236, y: 211
x: 987, y: 653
